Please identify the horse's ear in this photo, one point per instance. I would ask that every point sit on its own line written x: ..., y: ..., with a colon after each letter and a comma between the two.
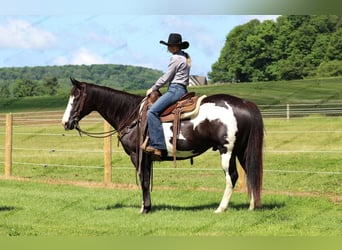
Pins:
x: 75, y: 82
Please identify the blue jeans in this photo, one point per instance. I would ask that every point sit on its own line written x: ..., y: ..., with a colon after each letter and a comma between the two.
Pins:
x: 155, y: 128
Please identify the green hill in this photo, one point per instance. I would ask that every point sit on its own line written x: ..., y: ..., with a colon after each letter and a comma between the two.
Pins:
x: 313, y: 91
x: 42, y: 79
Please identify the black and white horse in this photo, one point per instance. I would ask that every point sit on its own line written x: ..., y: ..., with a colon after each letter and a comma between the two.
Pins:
x: 230, y: 125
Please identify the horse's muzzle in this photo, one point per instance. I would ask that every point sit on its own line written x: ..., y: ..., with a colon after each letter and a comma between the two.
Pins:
x: 69, y: 125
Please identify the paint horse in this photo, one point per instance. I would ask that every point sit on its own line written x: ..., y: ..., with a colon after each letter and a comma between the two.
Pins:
x: 227, y: 124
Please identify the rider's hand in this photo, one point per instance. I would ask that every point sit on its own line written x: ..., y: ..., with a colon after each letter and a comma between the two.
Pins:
x: 149, y: 91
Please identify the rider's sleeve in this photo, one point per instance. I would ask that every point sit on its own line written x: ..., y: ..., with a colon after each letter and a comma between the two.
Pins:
x: 169, y: 74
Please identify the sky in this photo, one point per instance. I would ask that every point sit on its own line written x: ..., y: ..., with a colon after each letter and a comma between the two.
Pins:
x: 34, y: 36
x: 40, y: 40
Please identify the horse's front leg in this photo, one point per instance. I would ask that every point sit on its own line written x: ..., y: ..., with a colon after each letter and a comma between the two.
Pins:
x: 145, y: 181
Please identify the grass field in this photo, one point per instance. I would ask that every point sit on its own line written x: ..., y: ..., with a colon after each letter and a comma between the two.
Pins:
x: 263, y: 93
x: 57, y: 185
x: 43, y: 209
x: 60, y: 191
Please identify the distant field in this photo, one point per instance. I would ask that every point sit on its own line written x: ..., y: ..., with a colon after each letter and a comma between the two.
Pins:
x: 316, y: 91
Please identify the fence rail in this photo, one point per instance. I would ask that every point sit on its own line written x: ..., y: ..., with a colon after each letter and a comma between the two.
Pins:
x: 297, y: 110
x: 280, y: 110
x: 22, y: 120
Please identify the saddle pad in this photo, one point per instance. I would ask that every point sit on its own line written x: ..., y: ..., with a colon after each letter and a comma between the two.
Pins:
x: 186, y: 114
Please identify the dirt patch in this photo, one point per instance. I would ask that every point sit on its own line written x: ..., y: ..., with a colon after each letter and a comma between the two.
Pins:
x: 128, y: 186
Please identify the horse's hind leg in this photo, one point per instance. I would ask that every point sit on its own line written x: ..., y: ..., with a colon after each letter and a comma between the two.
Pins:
x: 230, y: 172
x: 253, y: 202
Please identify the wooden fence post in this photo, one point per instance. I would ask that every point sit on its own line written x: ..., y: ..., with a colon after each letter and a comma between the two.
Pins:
x: 8, y: 145
x: 107, y: 155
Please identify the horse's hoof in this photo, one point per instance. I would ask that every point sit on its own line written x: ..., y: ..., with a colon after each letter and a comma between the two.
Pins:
x: 219, y: 210
x: 254, y: 206
x: 145, y: 210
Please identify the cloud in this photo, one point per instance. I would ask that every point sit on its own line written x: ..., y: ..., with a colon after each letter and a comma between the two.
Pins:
x: 20, y: 34
x: 60, y: 60
x: 84, y: 56
x: 81, y: 56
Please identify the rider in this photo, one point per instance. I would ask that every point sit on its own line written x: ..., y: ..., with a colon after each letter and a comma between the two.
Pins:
x: 177, y: 76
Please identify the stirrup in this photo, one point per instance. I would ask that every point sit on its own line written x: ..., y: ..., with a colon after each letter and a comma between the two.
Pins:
x: 143, y: 146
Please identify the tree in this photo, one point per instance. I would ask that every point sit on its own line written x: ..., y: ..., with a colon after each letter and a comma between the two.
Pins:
x: 329, y: 69
x: 5, y: 90
x: 293, y: 47
x: 335, y: 46
x: 23, y: 88
x: 231, y: 64
x: 51, y: 85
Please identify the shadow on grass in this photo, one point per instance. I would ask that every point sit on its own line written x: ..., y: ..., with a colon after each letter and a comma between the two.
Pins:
x: 211, y: 206
x: 6, y: 208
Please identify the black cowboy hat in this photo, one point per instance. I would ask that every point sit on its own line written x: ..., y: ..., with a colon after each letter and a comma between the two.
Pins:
x: 176, y: 39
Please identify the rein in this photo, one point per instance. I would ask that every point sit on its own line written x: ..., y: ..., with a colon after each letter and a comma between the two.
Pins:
x: 107, y: 133
x: 95, y: 134
x: 78, y: 112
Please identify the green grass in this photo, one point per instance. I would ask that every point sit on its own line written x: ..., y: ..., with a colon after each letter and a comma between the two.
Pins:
x: 299, y: 148
x: 302, y: 176
x: 263, y: 93
x: 62, y: 210
x: 302, y: 193
x: 40, y: 103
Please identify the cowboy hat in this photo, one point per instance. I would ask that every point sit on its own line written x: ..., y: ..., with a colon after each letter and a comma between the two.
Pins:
x: 176, y: 39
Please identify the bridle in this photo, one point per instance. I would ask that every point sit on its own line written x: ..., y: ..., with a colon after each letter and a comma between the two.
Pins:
x: 83, y: 94
x: 125, y: 124
x: 82, y: 101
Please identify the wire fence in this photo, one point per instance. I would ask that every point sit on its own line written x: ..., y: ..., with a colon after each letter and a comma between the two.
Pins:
x: 44, y: 119
x: 279, y: 111
x: 300, y: 110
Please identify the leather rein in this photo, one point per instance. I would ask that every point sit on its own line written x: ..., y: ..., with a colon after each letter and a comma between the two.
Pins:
x: 100, y: 134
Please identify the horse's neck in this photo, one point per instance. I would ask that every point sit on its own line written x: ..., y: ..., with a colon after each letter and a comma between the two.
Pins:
x: 115, y: 112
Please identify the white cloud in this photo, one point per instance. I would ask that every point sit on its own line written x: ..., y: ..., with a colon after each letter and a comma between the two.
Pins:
x: 60, y: 60
x: 81, y: 56
x: 20, y: 34
x: 84, y: 56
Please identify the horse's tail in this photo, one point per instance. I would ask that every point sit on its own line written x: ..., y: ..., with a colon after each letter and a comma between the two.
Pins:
x: 254, y: 156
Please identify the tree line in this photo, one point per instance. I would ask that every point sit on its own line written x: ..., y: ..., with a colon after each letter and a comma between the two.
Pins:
x: 292, y: 47
x: 54, y: 80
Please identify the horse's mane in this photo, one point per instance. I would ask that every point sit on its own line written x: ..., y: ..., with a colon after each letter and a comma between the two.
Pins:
x: 109, y: 94
x: 120, y: 96
x: 123, y: 104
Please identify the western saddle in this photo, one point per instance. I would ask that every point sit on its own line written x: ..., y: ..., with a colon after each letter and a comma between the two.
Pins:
x: 185, y: 108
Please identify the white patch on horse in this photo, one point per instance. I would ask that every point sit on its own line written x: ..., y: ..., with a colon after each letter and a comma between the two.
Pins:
x: 211, y: 112
x: 168, y: 134
x: 67, y: 111
x: 226, y: 195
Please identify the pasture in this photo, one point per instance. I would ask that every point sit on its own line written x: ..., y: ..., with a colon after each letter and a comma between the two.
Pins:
x: 57, y: 187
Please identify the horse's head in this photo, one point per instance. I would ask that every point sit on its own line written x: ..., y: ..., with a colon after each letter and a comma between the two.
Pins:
x: 76, y: 108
